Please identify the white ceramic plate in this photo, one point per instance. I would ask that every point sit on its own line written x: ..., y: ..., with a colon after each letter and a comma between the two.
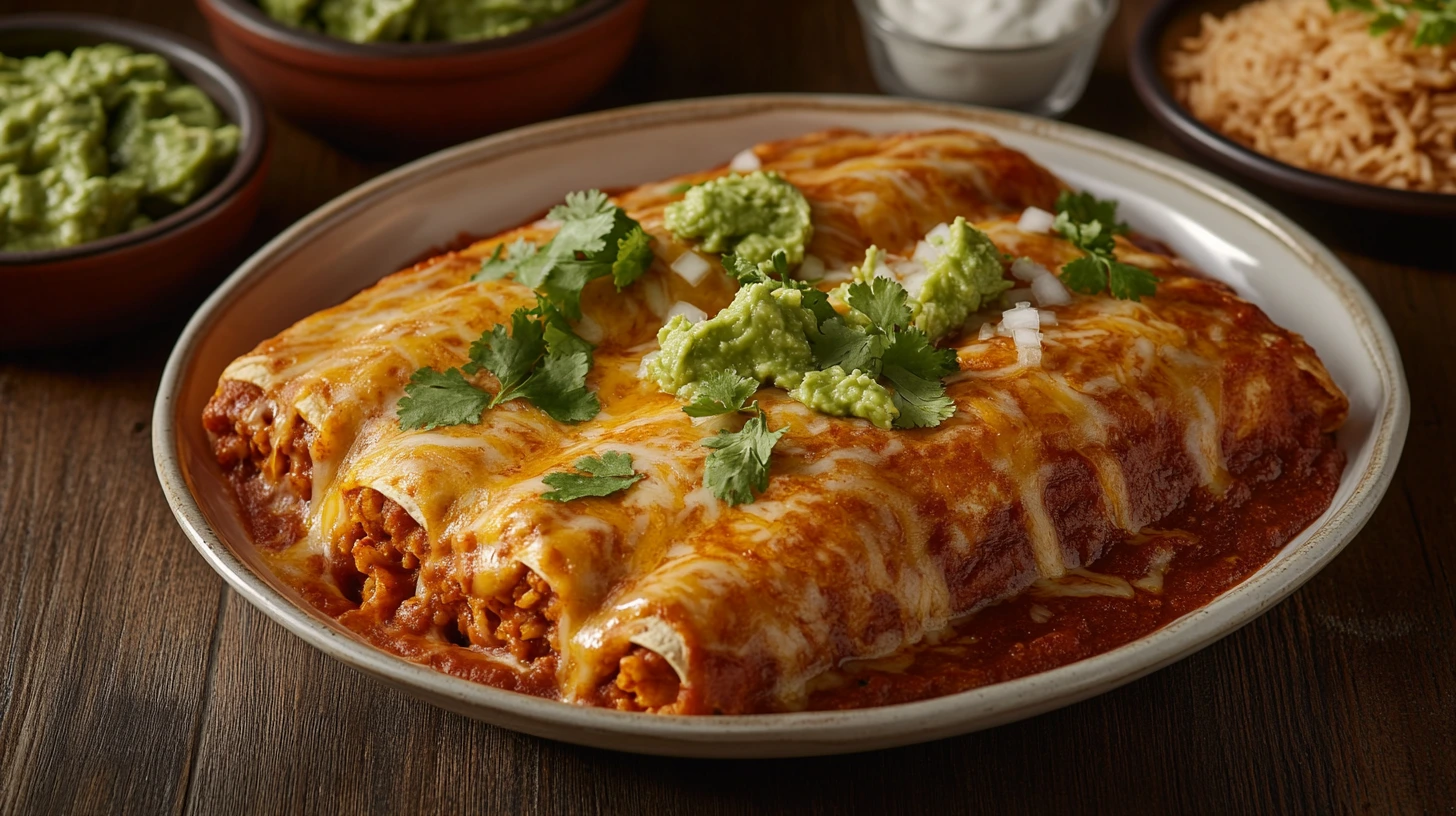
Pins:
x: 494, y: 183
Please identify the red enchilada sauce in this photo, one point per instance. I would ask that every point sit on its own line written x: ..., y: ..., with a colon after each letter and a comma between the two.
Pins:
x: 1142, y: 584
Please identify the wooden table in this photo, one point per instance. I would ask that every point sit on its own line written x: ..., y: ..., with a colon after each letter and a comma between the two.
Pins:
x: 135, y: 681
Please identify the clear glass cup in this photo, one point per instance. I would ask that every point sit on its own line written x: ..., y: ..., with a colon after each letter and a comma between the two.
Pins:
x: 1045, y: 79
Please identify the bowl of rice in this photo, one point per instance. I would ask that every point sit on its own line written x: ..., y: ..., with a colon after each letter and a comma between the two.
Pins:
x: 1310, y: 99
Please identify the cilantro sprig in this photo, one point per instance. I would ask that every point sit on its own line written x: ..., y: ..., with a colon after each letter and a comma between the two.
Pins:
x: 737, y: 467
x: 890, y: 347
x: 723, y: 393
x: 598, y: 476
x: 1435, y: 19
x: 539, y: 360
x: 596, y: 239
x: 747, y: 272
x: 1090, y: 225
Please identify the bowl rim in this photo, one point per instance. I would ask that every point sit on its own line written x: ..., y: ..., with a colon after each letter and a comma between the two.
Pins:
x: 872, y: 17
x: 801, y: 733
x: 184, y: 55
x: 1149, y: 83
x: 251, y: 18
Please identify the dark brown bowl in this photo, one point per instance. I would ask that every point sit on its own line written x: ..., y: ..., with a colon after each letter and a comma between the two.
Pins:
x: 1170, y: 22
x: 59, y: 296
x: 391, y: 98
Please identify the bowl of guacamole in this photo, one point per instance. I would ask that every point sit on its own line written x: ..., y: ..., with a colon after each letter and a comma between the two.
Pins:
x: 129, y: 162
x: 400, y: 77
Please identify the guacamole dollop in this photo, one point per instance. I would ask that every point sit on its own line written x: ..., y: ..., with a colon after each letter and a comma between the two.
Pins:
x: 763, y: 334
x: 415, y: 20
x: 751, y: 216
x: 98, y: 142
x: 836, y: 392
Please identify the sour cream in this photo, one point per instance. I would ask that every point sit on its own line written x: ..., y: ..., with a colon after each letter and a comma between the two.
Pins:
x: 990, y: 23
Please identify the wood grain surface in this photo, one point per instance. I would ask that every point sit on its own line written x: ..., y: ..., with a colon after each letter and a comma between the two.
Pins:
x: 135, y: 682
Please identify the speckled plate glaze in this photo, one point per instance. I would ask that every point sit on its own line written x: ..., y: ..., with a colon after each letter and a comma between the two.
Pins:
x: 491, y: 184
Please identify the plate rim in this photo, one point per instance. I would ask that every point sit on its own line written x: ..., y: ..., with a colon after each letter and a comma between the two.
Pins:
x: 819, y: 732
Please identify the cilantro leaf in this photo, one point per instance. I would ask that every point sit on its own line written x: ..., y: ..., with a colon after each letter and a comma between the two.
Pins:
x: 722, y: 393
x: 1088, y: 237
x: 737, y: 468
x: 505, y: 259
x: 910, y: 350
x: 558, y: 387
x: 599, y: 477
x: 437, y: 398
x: 881, y: 300
x: 817, y: 302
x: 634, y: 255
x: 922, y: 402
x: 509, y: 357
x: 565, y: 281
x: 849, y: 347
x: 1084, y: 208
x: 742, y: 269
x: 1129, y: 282
x: 557, y: 332
x: 1085, y: 275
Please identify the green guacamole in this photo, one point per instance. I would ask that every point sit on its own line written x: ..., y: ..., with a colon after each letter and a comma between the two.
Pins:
x: 764, y: 334
x: 415, y: 20
x: 834, y: 392
x: 750, y: 215
x: 99, y: 142
x: 966, y: 275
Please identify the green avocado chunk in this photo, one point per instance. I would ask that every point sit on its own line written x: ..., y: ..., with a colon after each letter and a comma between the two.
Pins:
x: 98, y: 142
x: 837, y: 393
x: 765, y: 334
x: 751, y: 216
x: 966, y: 274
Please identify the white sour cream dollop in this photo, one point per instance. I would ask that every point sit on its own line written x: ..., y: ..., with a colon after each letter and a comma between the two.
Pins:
x: 990, y: 23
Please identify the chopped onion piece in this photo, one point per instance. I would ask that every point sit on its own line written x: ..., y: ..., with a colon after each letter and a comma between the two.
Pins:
x: 1022, y: 317
x: 691, y: 267
x: 1035, y: 219
x: 915, y: 281
x: 811, y: 269
x: 1028, y: 346
x: 1048, y: 317
x: 687, y: 310
x: 1049, y: 291
x: 987, y: 331
x: 1027, y: 356
x: 926, y: 252
x: 941, y: 231
x: 1025, y: 269
x: 1018, y: 295
x: 745, y: 162
x: 590, y: 330
x: 883, y: 271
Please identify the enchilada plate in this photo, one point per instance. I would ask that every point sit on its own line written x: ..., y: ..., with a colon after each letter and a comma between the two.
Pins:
x: 353, y: 241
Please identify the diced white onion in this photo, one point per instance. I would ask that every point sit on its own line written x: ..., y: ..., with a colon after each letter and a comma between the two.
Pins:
x: 883, y: 271
x: 1027, y: 356
x: 915, y: 281
x: 987, y: 331
x: 940, y: 231
x: 812, y: 268
x: 1035, y: 219
x: 926, y: 252
x: 688, y: 310
x: 745, y: 162
x: 1025, y: 269
x: 1018, y: 295
x: 1021, y: 318
x: 1026, y: 337
x: 691, y: 267
x: 904, y: 269
x: 1048, y: 317
x: 590, y: 330
x: 1049, y: 291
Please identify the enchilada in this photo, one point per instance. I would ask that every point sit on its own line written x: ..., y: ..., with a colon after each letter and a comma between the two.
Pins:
x: 877, y: 562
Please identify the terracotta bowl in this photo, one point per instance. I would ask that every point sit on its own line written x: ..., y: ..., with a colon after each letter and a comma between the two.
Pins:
x: 61, y: 296
x: 391, y: 98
